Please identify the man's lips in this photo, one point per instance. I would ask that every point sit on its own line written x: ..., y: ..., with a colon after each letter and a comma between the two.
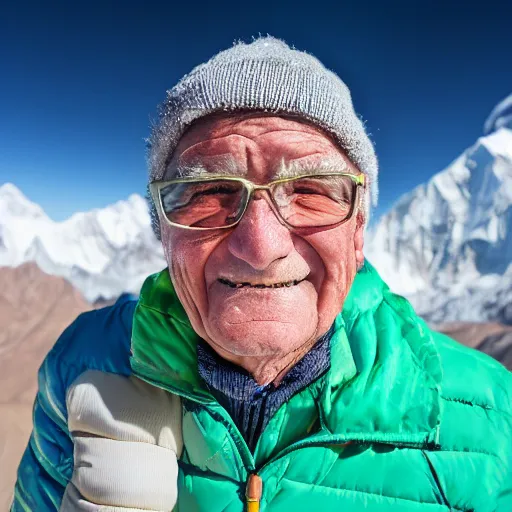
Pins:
x: 245, y: 284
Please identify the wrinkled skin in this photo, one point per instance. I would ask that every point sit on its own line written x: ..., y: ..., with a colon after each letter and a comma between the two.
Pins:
x: 265, y: 331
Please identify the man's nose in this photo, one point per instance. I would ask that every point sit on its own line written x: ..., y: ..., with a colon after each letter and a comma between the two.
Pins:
x: 259, y: 238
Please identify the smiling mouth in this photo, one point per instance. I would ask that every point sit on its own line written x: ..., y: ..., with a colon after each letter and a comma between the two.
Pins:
x: 284, y: 284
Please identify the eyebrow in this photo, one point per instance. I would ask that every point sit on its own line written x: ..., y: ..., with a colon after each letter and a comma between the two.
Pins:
x: 311, y: 166
x: 228, y: 167
x: 221, y: 165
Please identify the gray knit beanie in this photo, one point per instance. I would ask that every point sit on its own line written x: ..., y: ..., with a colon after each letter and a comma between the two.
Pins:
x: 269, y: 76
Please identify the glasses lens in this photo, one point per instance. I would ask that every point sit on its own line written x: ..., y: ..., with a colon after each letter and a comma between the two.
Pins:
x: 315, y: 201
x: 204, y: 204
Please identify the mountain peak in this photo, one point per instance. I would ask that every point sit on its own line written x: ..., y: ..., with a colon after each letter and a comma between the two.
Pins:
x: 14, y: 203
x: 11, y: 190
x: 500, y: 117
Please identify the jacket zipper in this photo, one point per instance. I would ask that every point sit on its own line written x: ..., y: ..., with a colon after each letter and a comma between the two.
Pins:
x: 253, y: 492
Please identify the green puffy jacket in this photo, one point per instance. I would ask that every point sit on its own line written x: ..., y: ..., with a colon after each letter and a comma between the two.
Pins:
x: 406, y: 419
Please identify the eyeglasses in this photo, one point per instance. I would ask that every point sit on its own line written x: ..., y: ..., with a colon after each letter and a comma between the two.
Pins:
x: 219, y: 202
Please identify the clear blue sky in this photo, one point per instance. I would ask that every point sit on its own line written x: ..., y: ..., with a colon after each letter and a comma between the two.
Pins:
x: 80, y: 82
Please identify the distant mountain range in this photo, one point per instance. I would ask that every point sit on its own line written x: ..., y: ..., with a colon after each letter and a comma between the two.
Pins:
x: 447, y: 245
x: 103, y: 253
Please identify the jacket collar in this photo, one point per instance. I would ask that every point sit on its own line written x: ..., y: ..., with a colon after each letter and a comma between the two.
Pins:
x: 385, y: 373
x: 163, y: 341
x: 394, y: 392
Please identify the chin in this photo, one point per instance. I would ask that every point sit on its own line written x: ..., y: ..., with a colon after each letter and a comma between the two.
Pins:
x: 252, y: 339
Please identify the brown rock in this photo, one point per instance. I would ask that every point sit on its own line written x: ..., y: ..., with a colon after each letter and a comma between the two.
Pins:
x: 34, y: 309
x: 494, y: 339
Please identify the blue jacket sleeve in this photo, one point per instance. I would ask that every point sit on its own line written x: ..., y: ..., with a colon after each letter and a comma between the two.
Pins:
x: 98, y: 340
x: 47, y: 463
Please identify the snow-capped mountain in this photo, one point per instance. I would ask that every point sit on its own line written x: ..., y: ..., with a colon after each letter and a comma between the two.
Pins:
x: 104, y: 252
x: 447, y: 245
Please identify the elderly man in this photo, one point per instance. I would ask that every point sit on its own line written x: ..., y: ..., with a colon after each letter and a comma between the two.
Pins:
x: 269, y: 367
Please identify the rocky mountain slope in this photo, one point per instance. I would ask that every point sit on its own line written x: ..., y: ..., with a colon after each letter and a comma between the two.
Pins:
x: 34, y: 309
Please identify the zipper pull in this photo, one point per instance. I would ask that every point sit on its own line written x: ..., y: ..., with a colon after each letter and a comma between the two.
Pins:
x: 253, y: 492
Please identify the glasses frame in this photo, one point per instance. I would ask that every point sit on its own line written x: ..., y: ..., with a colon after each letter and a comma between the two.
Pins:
x: 359, y: 180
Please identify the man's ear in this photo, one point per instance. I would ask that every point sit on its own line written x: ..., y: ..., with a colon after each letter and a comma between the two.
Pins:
x: 359, y: 240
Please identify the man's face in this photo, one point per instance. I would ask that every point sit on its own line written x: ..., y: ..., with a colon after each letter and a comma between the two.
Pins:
x: 254, y: 321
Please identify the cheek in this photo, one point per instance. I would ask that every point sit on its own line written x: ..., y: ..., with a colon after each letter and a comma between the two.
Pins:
x: 331, y: 254
x: 187, y: 254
